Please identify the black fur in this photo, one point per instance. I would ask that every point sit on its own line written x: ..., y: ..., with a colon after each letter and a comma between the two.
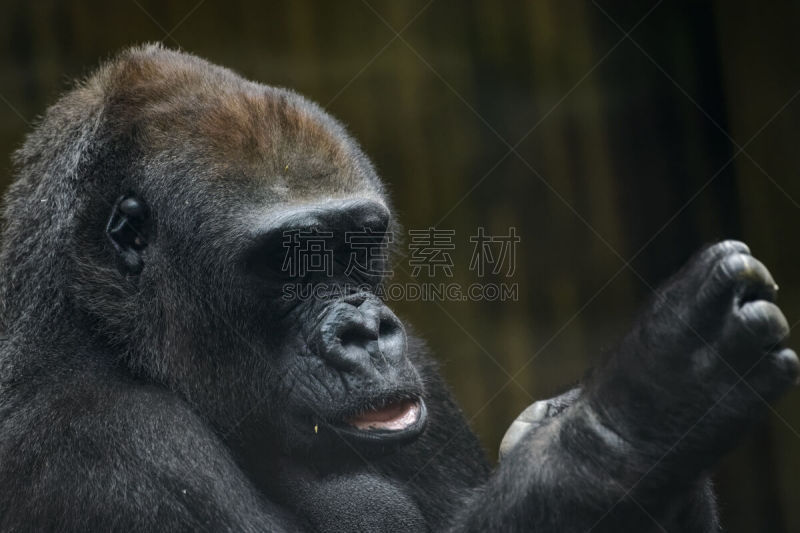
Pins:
x: 183, y: 393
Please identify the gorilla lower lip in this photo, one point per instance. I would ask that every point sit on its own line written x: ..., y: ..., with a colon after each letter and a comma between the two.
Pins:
x: 396, y: 416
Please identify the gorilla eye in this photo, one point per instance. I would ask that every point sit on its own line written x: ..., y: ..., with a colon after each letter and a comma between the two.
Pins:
x: 126, y: 231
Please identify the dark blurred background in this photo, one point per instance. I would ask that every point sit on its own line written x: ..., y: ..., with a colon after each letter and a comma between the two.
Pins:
x: 617, y: 137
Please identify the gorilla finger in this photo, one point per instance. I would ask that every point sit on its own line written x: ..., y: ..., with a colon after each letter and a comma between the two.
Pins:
x: 762, y: 323
x: 534, y: 416
x: 514, y: 434
x: 742, y: 277
x: 709, y: 256
x: 775, y: 373
x: 790, y: 363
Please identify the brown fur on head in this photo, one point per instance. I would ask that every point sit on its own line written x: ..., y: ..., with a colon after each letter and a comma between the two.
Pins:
x: 181, y: 103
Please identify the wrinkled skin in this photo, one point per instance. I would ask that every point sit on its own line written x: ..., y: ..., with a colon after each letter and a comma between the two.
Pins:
x: 155, y: 376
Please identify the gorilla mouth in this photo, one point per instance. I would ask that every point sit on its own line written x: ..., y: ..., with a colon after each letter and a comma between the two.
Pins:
x: 395, y: 416
x: 392, y: 421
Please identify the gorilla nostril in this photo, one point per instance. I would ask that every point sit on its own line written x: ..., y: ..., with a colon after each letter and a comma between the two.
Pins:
x: 357, y: 334
x: 388, y: 327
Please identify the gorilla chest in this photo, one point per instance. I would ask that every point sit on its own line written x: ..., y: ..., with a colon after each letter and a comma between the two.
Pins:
x: 353, y: 501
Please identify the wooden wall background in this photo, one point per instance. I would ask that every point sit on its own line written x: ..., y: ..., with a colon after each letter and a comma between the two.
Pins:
x: 639, y: 148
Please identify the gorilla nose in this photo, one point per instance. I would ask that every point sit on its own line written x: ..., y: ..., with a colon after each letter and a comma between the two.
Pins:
x: 359, y: 330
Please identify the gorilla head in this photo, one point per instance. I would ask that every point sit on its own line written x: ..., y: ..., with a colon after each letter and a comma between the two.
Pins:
x: 166, y: 208
x: 157, y: 374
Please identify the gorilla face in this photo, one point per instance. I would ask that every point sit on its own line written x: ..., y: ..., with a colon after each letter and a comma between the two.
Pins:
x: 340, y: 355
x: 215, y: 178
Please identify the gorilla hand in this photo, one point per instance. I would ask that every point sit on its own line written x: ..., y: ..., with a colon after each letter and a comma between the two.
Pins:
x: 703, y: 360
x: 700, y: 363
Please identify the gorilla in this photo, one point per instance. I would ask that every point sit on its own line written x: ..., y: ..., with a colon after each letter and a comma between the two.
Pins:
x: 153, y: 375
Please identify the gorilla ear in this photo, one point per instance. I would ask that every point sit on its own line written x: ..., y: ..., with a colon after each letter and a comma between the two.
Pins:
x: 126, y: 230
